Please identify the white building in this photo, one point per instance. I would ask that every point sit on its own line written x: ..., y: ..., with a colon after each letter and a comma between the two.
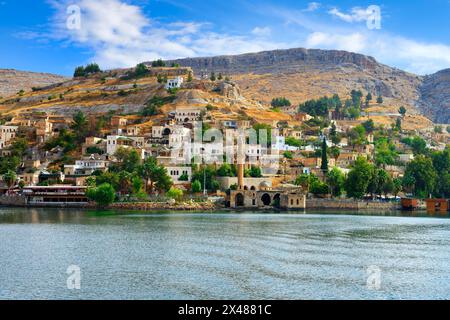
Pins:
x: 186, y: 115
x: 116, y: 142
x: 7, y: 133
x: 176, y: 172
x: 86, y: 166
x: 174, y: 83
x: 280, y: 145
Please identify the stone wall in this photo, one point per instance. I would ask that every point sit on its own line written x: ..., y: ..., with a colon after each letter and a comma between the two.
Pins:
x: 13, y: 200
x: 154, y: 206
x: 350, y: 205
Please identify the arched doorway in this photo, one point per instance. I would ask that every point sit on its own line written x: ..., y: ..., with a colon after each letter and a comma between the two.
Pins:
x: 186, y: 120
x: 239, y: 200
x: 166, y: 132
x: 276, y: 200
x: 253, y: 188
x: 266, y: 200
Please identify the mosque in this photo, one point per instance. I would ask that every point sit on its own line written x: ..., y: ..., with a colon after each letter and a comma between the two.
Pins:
x: 285, y: 197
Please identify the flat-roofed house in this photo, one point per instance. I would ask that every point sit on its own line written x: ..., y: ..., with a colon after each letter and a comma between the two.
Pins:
x: 7, y: 133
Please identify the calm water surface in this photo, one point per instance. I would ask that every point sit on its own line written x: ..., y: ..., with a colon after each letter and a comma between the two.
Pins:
x: 221, y: 256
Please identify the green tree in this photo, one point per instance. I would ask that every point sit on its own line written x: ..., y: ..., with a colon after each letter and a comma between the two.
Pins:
x: 19, y: 147
x: 155, y: 175
x: 226, y: 170
x: 280, y: 102
x: 397, y: 186
x: 184, y: 177
x: 335, y: 152
x: 79, y: 72
x: 108, y: 177
x: 103, y: 195
x: 175, y: 193
x: 137, y: 184
x: 369, y: 125
x: 398, y: 124
x: 190, y: 77
x: 358, y: 179
x: 318, y: 108
x: 357, y: 136
x: 380, y: 99
x: 80, y: 125
x: 213, y: 76
x: 419, y: 146
x: 354, y: 113
x: 402, y: 111
x: 441, y: 164
x: 255, y: 172
x: 317, y: 187
x: 196, y: 187
x: 389, y: 186
x: 368, y: 99
x: 335, y: 179
x: 125, y: 182
x: 10, y: 178
x: 291, y: 141
x: 140, y: 70
x: 385, y: 152
x: 288, y: 155
x: 127, y: 160
x: 324, y: 165
x: 92, y: 68
x: 303, y: 180
x: 420, y: 177
x: 158, y: 63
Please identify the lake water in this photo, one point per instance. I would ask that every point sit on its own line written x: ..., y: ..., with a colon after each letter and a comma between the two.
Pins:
x: 222, y: 256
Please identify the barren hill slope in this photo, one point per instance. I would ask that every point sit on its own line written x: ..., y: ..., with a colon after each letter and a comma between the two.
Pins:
x: 12, y: 81
x: 110, y: 91
x: 435, y: 96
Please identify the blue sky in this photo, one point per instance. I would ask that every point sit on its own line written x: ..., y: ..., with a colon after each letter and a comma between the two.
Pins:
x: 414, y: 35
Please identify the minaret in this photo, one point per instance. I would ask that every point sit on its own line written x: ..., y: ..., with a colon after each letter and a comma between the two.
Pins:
x: 240, y: 176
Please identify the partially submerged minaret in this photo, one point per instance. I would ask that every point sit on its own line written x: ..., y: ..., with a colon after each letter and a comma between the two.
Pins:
x: 240, y: 176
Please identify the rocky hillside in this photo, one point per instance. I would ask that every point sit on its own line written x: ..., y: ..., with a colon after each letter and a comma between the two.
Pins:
x: 435, y: 96
x: 278, y: 61
x: 113, y: 91
x: 12, y: 81
x: 302, y: 74
x: 297, y: 74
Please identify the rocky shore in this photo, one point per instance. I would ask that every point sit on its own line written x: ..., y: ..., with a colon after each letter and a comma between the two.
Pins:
x: 182, y: 206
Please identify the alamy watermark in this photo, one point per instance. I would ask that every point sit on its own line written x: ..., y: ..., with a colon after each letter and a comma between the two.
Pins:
x: 373, y: 17
x: 74, y: 279
x: 73, y: 21
x: 373, y: 278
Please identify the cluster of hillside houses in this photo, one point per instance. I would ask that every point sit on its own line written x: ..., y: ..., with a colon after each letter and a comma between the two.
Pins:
x: 172, y: 142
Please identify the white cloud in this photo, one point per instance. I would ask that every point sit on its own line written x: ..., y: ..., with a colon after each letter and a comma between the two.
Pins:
x: 312, y: 6
x: 262, y: 31
x: 357, y: 14
x: 355, y: 42
x: 120, y: 35
x: 416, y: 57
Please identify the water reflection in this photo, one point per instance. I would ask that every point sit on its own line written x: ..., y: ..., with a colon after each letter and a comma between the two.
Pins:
x: 221, y: 256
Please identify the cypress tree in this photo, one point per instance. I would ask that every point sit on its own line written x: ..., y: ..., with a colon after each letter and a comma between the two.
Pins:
x: 324, y: 165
